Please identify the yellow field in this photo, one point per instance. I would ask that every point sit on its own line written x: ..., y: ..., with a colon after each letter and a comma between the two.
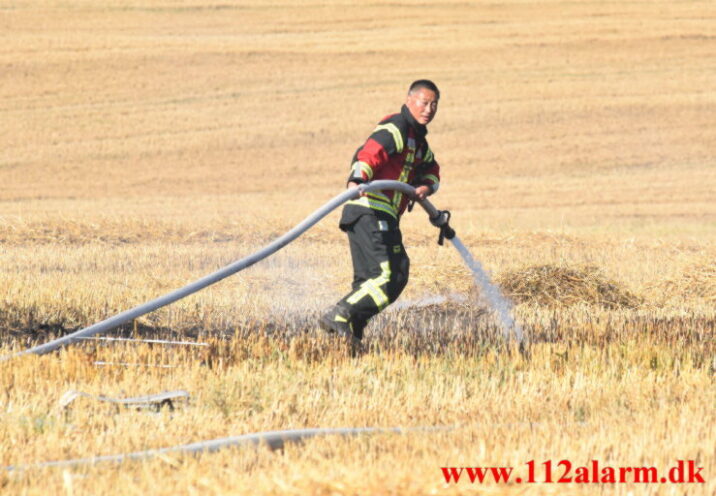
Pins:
x: 146, y: 144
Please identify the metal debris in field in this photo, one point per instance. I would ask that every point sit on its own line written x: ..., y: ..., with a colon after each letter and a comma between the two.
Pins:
x: 149, y: 341
x: 152, y: 401
x: 101, y: 363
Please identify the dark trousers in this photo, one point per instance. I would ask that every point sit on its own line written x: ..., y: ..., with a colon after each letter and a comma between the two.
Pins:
x: 380, y: 264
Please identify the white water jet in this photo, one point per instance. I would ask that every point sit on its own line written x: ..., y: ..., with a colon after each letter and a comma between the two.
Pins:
x: 490, y: 293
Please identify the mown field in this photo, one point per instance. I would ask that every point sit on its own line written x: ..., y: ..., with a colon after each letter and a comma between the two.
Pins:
x: 146, y: 144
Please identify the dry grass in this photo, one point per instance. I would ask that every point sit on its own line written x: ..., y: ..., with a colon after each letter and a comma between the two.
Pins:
x: 144, y: 146
x: 561, y: 286
x: 505, y: 411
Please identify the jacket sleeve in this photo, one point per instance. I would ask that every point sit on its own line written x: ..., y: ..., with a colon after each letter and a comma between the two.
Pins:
x: 429, y: 172
x: 387, y: 139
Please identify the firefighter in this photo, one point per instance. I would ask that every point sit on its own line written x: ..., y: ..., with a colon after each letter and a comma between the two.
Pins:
x: 396, y: 150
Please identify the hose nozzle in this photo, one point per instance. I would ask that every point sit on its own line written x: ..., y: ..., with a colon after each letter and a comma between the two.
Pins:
x: 442, y: 221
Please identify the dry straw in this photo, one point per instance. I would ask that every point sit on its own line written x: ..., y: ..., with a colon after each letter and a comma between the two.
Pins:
x: 556, y: 287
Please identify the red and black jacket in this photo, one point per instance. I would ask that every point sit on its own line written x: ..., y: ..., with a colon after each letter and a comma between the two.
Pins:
x: 397, y: 150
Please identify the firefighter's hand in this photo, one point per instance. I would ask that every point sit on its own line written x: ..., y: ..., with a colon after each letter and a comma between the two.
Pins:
x: 352, y: 185
x: 421, y: 192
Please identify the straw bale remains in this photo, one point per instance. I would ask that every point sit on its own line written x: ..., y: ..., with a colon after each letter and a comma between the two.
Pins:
x: 555, y: 286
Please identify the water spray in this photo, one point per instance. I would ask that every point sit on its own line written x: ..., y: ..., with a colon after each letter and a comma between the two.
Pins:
x: 439, y: 218
x: 489, y: 293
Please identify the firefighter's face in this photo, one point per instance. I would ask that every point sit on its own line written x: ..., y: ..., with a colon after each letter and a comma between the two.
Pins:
x: 423, y: 105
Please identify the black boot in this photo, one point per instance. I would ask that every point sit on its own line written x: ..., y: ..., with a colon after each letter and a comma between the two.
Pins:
x: 337, y: 320
x: 358, y: 325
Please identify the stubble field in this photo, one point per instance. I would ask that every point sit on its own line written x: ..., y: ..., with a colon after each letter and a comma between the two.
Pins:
x: 144, y: 145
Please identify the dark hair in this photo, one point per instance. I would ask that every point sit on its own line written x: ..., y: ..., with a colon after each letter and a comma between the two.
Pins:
x: 424, y: 83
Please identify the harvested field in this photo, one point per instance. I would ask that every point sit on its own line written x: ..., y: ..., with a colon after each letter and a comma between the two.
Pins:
x: 145, y: 145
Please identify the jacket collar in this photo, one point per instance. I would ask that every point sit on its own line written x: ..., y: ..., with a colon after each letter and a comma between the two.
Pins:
x: 420, y: 129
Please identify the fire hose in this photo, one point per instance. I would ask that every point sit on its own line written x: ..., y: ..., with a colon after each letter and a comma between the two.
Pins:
x: 439, y: 218
x: 274, y: 440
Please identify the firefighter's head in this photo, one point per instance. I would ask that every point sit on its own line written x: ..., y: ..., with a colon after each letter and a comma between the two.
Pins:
x: 422, y: 101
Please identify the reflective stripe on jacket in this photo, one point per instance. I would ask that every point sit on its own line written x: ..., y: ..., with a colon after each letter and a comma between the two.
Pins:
x: 396, y: 150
